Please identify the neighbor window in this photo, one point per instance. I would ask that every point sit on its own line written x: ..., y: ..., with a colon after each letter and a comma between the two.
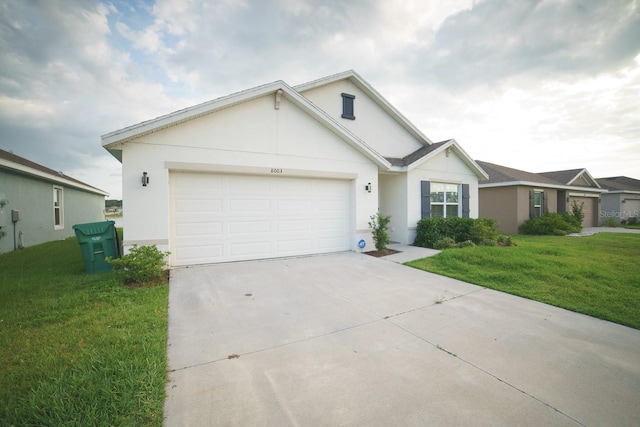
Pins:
x: 347, y: 106
x: 537, y: 203
x: 58, y: 213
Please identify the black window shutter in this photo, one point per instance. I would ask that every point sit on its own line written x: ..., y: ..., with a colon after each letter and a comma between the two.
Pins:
x: 347, y: 106
x: 465, y: 201
x: 425, y: 197
x: 532, y: 198
x: 544, y: 208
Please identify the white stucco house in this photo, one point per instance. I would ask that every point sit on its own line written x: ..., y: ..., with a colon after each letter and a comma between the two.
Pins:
x: 277, y: 171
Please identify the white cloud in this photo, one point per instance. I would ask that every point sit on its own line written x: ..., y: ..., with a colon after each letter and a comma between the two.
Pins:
x: 534, y: 85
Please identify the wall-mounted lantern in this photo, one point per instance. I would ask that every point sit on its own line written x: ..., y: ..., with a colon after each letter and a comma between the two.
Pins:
x: 145, y: 179
x: 368, y: 187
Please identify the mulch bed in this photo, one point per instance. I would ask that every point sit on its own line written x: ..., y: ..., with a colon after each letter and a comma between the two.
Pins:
x: 382, y: 253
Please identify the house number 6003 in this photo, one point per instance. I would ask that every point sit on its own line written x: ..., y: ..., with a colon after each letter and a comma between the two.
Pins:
x: 276, y: 170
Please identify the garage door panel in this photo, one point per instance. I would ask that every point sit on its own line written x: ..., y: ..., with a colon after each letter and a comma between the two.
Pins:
x: 294, y: 246
x: 191, y: 205
x: 200, y: 252
x: 292, y: 205
x: 249, y: 206
x: 217, y: 217
x: 199, y: 229
x: 249, y: 227
x: 253, y: 249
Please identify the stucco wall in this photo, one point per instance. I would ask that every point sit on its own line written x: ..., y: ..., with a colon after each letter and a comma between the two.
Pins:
x: 252, y: 137
x: 393, y: 196
x: 500, y: 204
x: 34, y: 199
x: 372, y: 124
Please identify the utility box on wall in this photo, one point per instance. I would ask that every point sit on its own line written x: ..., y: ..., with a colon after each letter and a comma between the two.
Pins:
x: 15, y: 216
x: 3, y: 214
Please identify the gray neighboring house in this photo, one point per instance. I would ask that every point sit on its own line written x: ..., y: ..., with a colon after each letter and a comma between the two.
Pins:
x: 49, y: 203
x: 622, y: 200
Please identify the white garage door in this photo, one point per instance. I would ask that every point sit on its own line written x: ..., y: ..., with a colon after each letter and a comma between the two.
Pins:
x: 221, y: 217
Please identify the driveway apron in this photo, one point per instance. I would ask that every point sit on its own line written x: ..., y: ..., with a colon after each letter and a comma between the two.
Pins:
x: 348, y: 339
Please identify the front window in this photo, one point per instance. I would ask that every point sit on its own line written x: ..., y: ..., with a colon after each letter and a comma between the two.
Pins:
x: 444, y: 200
x: 58, y: 214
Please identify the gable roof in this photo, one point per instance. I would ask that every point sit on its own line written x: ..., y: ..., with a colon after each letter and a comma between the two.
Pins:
x: 502, y: 176
x: 16, y: 163
x: 428, y: 151
x: 380, y: 100
x: 619, y: 183
x: 568, y: 177
x: 113, y: 141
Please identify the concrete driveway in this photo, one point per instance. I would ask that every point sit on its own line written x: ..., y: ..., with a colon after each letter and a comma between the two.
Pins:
x: 348, y: 339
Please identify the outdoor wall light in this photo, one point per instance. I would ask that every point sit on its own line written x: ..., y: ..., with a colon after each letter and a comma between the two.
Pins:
x: 145, y: 179
x: 368, y: 187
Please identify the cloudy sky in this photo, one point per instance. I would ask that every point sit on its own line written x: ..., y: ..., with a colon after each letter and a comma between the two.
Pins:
x: 536, y: 85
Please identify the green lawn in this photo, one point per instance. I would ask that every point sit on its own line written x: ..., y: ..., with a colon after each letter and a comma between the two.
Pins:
x: 78, y: 349
x: 597, y: 275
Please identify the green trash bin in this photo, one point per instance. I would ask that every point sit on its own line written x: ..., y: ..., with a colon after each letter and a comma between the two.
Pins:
x: 98, y: 240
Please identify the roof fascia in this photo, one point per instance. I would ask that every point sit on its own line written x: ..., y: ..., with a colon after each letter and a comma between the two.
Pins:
x: 364, y: 86
x: 60, y: 179
x: 114, y: 141
x: 186, y: 114
x: 466, y: 159
x: 540, y: 185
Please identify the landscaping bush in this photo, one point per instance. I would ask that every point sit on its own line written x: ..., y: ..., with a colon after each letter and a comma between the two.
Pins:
x: 577, y: 210
x: 551, y: 224
x: 445, y: 243
x: 633, y: 221
x: 379, y: 224
x: 483, y: 229
x: 143, y: 265
x: 466, y: 244
x: 431, y: 230
x: 505, y: 241
x: 610, y: 222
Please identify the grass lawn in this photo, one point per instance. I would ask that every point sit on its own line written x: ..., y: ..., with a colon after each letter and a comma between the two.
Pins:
x: 78, y: 349
x: 597, y: 275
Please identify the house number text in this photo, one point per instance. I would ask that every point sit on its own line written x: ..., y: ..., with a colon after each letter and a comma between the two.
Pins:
x: 276, y: 170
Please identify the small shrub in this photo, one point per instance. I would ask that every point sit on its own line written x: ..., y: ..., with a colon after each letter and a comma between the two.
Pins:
x: 379, y: 224
x: 577, y: 211
x: 483, y: 229
x: 505, y: 241
x: 610, y: 222
x: 633, y: 220
x: 445, y: 243
x: 551, y: 224
x: 488, y: 242
x: 142, y: 265
x: 466, y: 244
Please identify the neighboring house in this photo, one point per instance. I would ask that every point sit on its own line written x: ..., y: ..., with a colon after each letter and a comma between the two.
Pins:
x: 279, y: 171
x: 49, y: 203
x: 622, y: 200
x: 511, y: 196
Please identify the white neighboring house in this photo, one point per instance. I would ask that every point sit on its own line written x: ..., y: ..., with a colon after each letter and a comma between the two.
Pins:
x: 279, y: 171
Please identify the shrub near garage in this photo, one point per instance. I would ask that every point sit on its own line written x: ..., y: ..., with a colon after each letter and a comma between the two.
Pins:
x: 143, y: 265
